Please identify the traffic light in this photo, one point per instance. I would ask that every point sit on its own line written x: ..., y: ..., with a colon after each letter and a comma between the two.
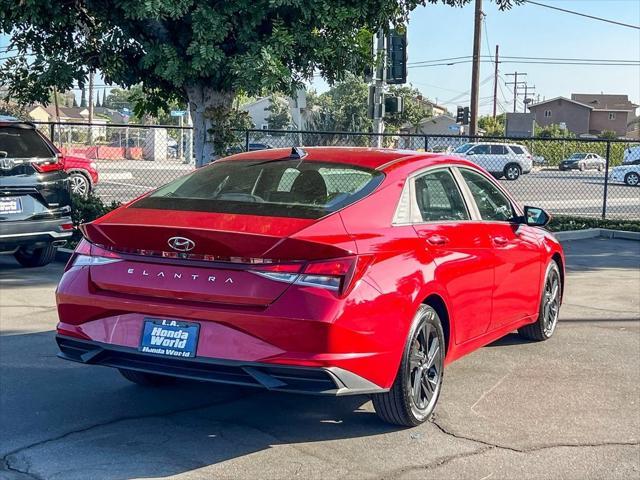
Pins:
x: 397, y: 57
x: 462, y: 115
x: 393, y: 104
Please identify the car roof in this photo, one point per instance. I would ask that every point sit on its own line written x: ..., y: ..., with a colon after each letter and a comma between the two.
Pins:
x: 373, y: 158
x: 401, y: 162
x: 17, y: 124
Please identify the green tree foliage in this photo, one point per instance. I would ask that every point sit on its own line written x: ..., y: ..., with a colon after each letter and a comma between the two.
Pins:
x: 343, y: 108
x: 83, y: 99
x: 200, y: 51
x: 552, y: 131
x: 279, y: 117
x: 608, y: 135
x: 493, y: 127
x: 414, y: 109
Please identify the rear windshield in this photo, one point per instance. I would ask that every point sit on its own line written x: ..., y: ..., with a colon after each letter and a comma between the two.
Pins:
x: 278, y: 188
x: 18, y: 142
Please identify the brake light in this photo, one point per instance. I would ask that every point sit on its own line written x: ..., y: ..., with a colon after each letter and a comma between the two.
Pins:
x: 339, y: 274
x: 87, y: 254
x: 47, y: 166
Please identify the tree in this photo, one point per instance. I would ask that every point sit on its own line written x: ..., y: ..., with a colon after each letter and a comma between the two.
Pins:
x: 343, y: 108
x: 608, y: 135
x: 83, y: 98
x: 493, y: 127
x: 201, y: 51
x: 552, y: 131
x: 279, y: 117
x: 414, y: 109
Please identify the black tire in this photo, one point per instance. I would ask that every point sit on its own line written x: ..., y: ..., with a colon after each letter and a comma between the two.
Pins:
x: 146, y: 379
x: 79, y: 184
x: 399, y: 405
x: 512, y: 172
x: 549, y: 311
x: 632, y: 179
x: 35, y: 257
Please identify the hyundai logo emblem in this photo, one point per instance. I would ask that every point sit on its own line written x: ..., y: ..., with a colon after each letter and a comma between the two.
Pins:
x: 181, y: 244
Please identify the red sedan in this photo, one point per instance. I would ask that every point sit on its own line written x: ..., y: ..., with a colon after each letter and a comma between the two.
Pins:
x: 327, y: 270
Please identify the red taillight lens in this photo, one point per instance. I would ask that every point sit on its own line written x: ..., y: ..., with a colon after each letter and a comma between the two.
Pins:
x: 87, y: 254
x: 49, y: 166
x: 339, y: 274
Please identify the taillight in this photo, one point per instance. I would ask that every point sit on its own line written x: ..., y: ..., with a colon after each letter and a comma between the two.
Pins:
x: 87, y: 254
x: 338, y: 274
x: 47, y: 166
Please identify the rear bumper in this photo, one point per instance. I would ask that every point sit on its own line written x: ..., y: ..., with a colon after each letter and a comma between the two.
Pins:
x: 31, y: 232
x: 330, y: 381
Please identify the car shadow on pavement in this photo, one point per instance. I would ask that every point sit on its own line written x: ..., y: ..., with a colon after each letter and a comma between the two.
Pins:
x: 119, y: 431
x: 12, y: 274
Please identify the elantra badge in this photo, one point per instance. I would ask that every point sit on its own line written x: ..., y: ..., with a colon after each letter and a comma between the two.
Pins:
x: 181, y: 244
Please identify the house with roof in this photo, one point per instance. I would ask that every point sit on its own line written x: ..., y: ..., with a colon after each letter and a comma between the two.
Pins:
x: 586, y: 114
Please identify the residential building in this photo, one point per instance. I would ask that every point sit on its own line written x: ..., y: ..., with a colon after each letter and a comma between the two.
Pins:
x: 438, y: 125
x: 586, y: 114
x: 259, y: 114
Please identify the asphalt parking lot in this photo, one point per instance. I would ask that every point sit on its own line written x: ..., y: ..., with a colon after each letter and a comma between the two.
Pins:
x: 572, y: 192
x: 568, y: 408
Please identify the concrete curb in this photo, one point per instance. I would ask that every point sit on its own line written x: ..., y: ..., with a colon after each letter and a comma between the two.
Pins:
x: 596, y: 233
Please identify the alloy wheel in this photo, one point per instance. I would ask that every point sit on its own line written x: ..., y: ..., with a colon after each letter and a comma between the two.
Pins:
x: 512, y: 173
x: 79, y: 184
x: 632, y: 179
x: 551, y: 305
x: 425, y: 368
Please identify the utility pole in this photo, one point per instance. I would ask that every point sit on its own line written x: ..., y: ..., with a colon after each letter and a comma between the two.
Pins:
x: 475, y: 70
x: 378, y: 86
x: 515, y: 84
x: 90, y: 106
x: 527, y: 89
x: 495, y: 84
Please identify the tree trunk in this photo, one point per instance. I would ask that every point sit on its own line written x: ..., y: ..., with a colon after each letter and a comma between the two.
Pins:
x: 207, y: 107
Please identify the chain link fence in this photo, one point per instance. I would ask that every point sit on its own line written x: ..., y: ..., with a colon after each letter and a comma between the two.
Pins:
x: 579, y: 177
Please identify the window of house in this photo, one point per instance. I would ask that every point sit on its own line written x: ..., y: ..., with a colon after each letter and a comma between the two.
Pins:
x: 265, y: 126
x: 547, y: 113
x: 612, y: 116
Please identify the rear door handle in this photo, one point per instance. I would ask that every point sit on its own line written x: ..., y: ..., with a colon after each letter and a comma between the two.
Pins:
x: 437, y: 240
x: 500, y: 241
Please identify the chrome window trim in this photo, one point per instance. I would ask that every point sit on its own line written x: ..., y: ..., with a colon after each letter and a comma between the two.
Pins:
x: 515, y: 208
x: 414, y: 216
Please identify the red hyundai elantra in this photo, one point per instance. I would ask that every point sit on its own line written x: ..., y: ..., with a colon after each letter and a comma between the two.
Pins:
x: 327, y: 271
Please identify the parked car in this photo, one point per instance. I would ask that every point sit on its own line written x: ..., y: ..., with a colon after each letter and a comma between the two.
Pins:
x: 628, y: 173
x: 83, y: 173
x: 35, y: 204
x: 255, y: 270
x: 631, y: 154
x: 500, y: 159
x: 583, y: 161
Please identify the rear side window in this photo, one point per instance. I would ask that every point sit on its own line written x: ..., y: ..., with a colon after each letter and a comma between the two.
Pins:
x: 18, y: 142
x: 517, y: 150
x: 498, y: 150
x: 438, y: 198
x: 279, y: 188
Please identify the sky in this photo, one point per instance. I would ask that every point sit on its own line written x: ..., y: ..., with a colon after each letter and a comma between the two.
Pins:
x: 440, y: 31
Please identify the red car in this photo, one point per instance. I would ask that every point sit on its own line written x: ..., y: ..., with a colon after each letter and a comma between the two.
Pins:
x: 327, y: 271
x: 83, y: 174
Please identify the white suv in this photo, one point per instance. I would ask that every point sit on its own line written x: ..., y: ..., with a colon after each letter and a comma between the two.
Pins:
x: 507, y: 160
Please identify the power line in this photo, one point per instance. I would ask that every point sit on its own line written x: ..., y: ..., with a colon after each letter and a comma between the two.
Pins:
x: 614, y: 22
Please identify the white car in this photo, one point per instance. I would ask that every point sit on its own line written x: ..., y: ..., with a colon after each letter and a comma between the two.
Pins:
x: 507, y: 160
x: 631, y: 154
x: 628, y: 173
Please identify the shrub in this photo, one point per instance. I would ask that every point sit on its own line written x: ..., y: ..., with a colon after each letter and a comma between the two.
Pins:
x: 560, y: 223
x: 87, y: 209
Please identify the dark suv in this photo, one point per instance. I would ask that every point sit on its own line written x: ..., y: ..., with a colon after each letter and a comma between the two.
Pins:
x: 35, y: 203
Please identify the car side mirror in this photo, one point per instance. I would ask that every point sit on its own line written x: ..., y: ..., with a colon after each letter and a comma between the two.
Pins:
x: 470, y: 153
x: 536, y: 217
x: 3, y: 154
